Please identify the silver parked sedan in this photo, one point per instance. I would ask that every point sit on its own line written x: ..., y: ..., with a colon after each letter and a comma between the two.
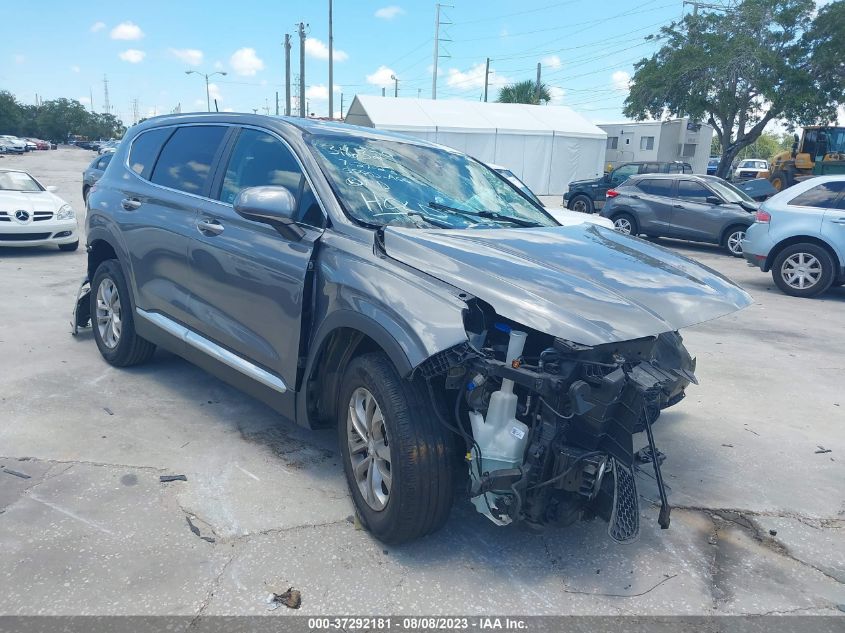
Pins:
x: 94, y: 172
x: 800, y: 236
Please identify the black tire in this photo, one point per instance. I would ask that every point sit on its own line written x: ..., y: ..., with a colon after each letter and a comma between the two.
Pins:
x: 781, y: 179
x: 85, y: 190
x: 69, y: 247
x: 632, y: 221
x: 130, y: 349
x: 825, y: 268
x: 728, y: 239
x: 420, y: 449
x: 582, y: 204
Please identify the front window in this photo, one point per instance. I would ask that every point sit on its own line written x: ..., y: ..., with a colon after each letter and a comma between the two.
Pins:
x: 384, y: 182
x: 728, y: 192
x: 18, y: 181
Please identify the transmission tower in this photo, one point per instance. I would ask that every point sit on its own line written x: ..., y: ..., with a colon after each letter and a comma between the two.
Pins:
x: 106, y: 106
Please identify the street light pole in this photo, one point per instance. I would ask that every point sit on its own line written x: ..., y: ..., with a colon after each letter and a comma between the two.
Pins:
x: 207, y: 90
x: 395, y: 85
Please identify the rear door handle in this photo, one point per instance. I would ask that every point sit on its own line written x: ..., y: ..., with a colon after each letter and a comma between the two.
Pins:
x: 677, y: 206
x: 130, y: 204
x: 210, y: 227
x: 839, y: 221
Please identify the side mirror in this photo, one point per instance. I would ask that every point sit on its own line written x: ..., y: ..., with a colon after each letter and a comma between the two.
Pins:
x: 52, y: 188
x: 713, y: 200
x: 275, y: 206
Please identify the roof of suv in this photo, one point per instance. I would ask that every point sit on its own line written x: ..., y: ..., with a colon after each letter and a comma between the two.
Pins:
x: 307, y: 126
x: 637, y: 177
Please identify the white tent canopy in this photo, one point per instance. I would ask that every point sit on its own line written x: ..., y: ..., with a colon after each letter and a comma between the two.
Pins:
x: 545, y: 146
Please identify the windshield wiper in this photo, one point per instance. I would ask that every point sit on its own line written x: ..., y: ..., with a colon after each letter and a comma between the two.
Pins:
x: 433, y: 221
x: 487, y: 215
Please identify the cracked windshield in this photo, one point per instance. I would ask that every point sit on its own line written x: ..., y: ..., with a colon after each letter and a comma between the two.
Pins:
x: 402, y: 184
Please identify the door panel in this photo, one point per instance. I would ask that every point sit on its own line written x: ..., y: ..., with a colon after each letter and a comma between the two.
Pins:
x: 249, y: 282
x: 656, y: 195
x: 693, y: 218
x: 833, y: 224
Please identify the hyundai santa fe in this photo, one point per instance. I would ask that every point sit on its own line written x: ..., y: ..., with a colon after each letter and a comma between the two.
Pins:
x: 407, y: 295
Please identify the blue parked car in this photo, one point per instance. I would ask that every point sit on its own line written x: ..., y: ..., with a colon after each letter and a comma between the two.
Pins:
x: 799, y: 235
x: 712, y: 165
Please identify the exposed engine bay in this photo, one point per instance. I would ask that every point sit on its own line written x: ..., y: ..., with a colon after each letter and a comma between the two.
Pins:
x: 548, y: 423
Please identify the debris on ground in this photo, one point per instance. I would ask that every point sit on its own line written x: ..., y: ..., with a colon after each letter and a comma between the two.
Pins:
x: 195, y: 529
x: 752, y: 431
x: 291, y: 598
x: 773, y: 532
x: 644, y: 455
x: 165, y: 478
x: 16, y: 473
x: 728, y: 445
x: 107, y: 410
x: 822, y: 450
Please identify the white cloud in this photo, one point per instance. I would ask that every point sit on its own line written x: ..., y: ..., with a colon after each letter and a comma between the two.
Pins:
x: 189, y: 56
x: 318, y: 50
x: 381, y: 77
x: 552, y: 61
x: 19, y: 59
x: 75, y: 69
x: 245, y: 62
x: 317, y: 92
x: 218, y: 65
x: 84, y: 100
x: 214, y: 92
x: 557, y: 94
x: 474, y: 78
x: 620, y: 80
x: 126, y: 31
x: 388, y: 13
x: 132, y: 55
x: 97, y: 26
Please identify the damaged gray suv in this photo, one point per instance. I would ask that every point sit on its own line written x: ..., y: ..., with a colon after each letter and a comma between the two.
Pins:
x: 407, y: 294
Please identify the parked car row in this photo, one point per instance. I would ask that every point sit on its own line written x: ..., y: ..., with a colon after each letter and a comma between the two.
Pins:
x: 15, y: 145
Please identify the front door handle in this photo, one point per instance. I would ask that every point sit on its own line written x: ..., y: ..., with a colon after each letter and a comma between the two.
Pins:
x: 677, y: 206
x: 130, y: 204
x: 210, y: 227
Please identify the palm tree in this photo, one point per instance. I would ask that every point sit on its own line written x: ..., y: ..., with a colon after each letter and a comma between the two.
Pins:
x: 524, y: 92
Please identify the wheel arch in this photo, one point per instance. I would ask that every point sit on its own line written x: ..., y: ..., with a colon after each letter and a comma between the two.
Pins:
x: 728, y: 229
x: 775, y: 251
x: 342, y: 336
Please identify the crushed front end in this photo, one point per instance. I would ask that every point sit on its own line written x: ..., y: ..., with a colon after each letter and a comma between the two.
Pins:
x: 549, y: 424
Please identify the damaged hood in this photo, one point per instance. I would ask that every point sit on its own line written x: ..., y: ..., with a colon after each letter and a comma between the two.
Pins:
x: 583, y: 283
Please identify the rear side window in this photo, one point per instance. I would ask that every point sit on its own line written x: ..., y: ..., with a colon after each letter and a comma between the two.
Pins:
x: 259, y: 159
x: 185, y: 161
x: 104, y: 161
x: 144, y: 150
x: 691, y: 190
x: 656, y: 187
x: 822, y: 196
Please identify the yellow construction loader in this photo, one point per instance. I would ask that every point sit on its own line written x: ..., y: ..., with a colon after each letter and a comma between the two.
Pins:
x: 820, y: 150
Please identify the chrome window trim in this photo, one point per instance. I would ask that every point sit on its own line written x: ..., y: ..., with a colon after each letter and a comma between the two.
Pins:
x: 214, y: 350
x: 228, y: 125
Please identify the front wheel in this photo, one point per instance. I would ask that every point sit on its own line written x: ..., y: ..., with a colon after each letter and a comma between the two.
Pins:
x: 803, y: 270
x: 396, y: 455
x: 112, y: 319
x: 732, y: 240
x: 625, y: 223
x: 581, y: 204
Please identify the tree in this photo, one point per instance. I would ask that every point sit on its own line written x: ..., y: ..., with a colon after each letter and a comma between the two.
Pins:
x: 524, y: 92
x: 739, y: 69
x: 764, y: 147
x: 10, y: 113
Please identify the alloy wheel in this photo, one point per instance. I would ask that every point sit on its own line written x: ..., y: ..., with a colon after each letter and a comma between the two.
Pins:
x: 623, y: 225
x: 580, y: 206
x: 108, y: 313
x: 369, y: 448
x: 801, y: 271
x: 735, y: 242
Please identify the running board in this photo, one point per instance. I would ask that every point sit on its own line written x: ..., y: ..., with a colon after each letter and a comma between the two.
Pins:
x: 214, y: 350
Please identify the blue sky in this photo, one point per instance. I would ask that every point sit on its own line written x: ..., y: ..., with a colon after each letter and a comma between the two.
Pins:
x: 62, y: 49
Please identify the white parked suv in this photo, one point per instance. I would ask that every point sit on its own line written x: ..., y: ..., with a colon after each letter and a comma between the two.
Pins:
x: 32, y: 215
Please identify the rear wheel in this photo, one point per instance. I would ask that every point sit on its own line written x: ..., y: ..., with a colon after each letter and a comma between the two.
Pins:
x: 803, y: 270
x: 582, y: 204
x: 112, y: 319
x: 396, y: 455
x: 625, y: 223
x: 732, y: 240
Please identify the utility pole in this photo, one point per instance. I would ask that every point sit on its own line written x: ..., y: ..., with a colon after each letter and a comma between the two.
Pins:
x: 91, y: 96
x: 382, y: 91
x: 486, y: 78
x: 437, y: 40
x: 331, y: 64
x: 537, y: 87
x: 419, y: 92
x: 287, y: 74
x: 395, y: 85
x: 707, y: 5
x: 106, y: 106
x: 341, y: 106
x: 302, y: 70
x: 277, y: 103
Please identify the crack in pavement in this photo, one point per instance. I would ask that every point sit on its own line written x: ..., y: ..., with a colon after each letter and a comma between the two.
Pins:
x: 74, y: 462
x: 215, y: 585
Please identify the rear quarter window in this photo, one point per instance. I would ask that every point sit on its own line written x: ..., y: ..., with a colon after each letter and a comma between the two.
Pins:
x: 144, y: 150
x: 821, y: 196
